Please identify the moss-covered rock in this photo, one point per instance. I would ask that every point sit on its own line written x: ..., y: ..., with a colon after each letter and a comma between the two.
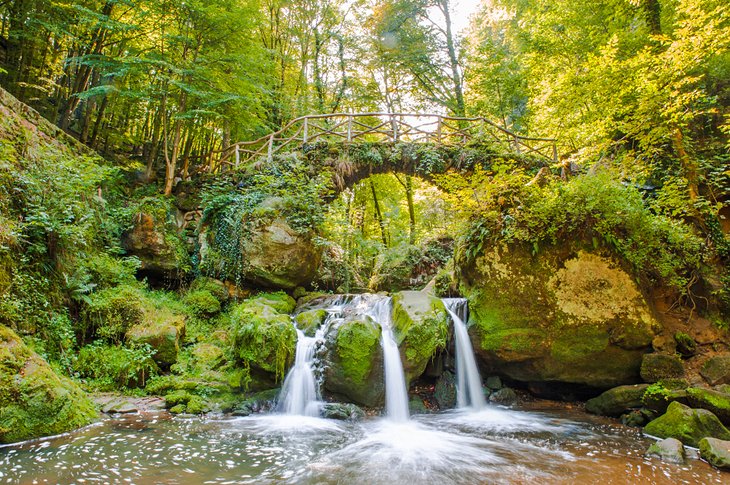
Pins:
x: 687, y: 425
x: 354, y: 362
x: 618, y: 400
x: 154, y: 240
x: 342, y: 411
x: 714, y: 401
x: 310, y: 320
x: 716, y: 452
x: 716, y: 370
x: 564, y: 315
x: 162, y: 330
x: 264, y: 339
x: 420, y: 324
x: 277, y: 256
x: 34, y: 400
x: 655, y: 367
x: 202, y: 303
x: 669, y: 450
x: 445, y: 391
x: 215, y: 287
x: 657, y: 397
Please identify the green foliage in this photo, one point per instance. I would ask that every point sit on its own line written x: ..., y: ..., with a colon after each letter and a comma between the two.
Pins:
x: 590, y: 208
x: 202, y: 303
x: 107, y: 367
x: 356, y: 342
x: 113, y: 311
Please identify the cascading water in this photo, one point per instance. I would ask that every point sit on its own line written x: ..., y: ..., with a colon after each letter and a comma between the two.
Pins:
x: 300, y: 393
x: 396, y: 394
x: 469, y: 383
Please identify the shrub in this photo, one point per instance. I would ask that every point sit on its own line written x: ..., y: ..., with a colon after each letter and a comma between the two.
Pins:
x: 112, y: 367
x: 112, y: 311
x: 202, y: 303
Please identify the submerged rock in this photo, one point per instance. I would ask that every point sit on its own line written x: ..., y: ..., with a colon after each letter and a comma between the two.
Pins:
x: 342, y: 411
x: 566, y: 316
x: 687, y: 425
x: 669, y: 450
x: 717, y: 370
x: 416, y: 406
x: 716, y: 452
x: 618, y: 400
x: 354, y: 362
x: 655, y: 367
x: 421, y: 326
x: 119, y: 406
x: 34, y: 400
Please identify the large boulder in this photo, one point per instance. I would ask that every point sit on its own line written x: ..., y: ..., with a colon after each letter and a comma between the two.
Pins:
x: 162, y: 330
x: 34, y: 400
x: 565, y: 315
x: 716, y: 452
x: 717, y: 370
x: 354, y: 362
x: 277, y: 256
x: 421, y: 328
x: 155, y: 242
x: 669, y: 450
x: 618, y: 400
x: 687, y: 425
x: 264, y: 339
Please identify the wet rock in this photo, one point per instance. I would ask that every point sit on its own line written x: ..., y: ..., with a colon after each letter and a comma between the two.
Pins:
x: 616, y: 401
x: 34, y: 400
x: 421, y: 326
x: 637, y: 417
x: 658, y: 398
x: 119, y: 406
x: 445, y: 391
x: 416, y: 406
x: 494, y: 383
x: 717, y: 370
x: 257, y: 403
x: 669, y: 450
x: 655, y: 367
x: 309, y: 321
x: 716, y: 402
x: 354, y: 362
x: 687, y: 425
x: 563, y: 316
x: 342, y: 411
x: 716, y: 452
x: 504, y: 396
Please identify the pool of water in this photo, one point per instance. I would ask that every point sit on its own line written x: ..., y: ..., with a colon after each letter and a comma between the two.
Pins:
x: 495, y: 445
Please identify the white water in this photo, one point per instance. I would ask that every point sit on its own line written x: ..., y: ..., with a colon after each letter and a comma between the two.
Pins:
x: 300, y: 393
x: 396, y: 394
x: 469, y: 383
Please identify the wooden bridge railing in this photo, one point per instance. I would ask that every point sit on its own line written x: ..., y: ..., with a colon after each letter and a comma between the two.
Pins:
x: 383, y: 128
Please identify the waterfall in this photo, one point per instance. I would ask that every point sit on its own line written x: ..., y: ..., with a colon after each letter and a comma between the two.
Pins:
x: 396, y: 394
x: 469, y: 383
x: 300, y: 393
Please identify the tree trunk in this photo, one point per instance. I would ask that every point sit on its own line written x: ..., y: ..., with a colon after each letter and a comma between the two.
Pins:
x: 688, y: 163
x: 378, y: 214
x: 459, y: 109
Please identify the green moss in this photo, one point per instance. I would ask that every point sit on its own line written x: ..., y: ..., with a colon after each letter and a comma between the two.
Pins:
x: 279, y: 301
x: 215, y: 287
x: 356, y: 342
x: 575, y: 344
x: 687, y: 425
x: 202, y: 303
x: 179, y: 409
x: 263, y: 337
x: 310, y: 320
x: 34, y: 401
x: 197, y: 405
x: 176, y: 398
x: 162, y: 329
x: 110, y: 312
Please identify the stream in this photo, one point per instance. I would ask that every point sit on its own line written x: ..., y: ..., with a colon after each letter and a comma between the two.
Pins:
x: 542, y: 444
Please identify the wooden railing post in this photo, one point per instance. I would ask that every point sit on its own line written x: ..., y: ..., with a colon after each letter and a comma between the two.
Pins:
x: 349, y: 128
x: 555, y: 152
x: 238, y: 156
x: 438, y: 129
x: 270, y: 154
x: 394, y: 125
x: 306, y: 130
